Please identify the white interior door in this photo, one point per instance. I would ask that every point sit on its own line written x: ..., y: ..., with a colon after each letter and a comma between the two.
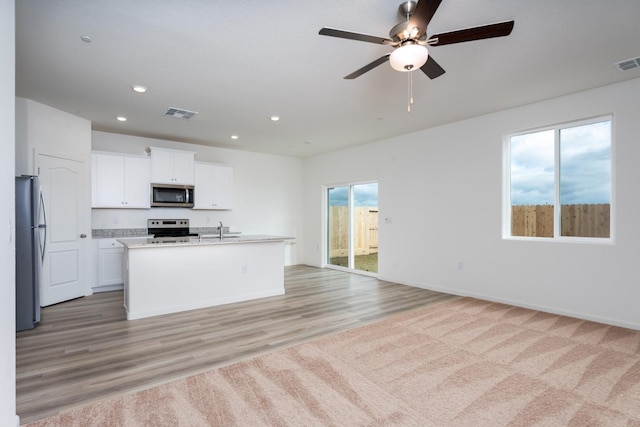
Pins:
x: 63, y: 190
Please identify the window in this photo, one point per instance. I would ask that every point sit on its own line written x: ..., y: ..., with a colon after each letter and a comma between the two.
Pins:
x: 559, y: 182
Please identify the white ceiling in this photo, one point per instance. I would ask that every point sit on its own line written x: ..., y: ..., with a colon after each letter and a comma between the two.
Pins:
x: 239, y: 62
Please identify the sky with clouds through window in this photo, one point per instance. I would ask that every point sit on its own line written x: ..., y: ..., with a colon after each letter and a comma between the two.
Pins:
x: 585, y: 166
x: 363, y: 195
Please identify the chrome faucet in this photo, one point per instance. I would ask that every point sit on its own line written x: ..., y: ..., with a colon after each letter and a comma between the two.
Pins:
x: 221, y: 230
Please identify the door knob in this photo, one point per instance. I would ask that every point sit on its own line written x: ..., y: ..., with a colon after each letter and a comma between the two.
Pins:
x: 83, y: 236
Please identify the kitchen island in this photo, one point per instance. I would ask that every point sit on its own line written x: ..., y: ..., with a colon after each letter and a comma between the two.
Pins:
x: 168, y: 275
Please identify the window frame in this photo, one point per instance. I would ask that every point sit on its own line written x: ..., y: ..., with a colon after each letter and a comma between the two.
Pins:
x: 506, y: 191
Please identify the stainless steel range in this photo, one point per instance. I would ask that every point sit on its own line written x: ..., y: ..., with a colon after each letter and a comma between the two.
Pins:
x: 175, y: 228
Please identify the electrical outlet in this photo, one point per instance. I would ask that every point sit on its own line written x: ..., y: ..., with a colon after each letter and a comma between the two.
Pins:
x: 245, y: 269
x: 460, y: 265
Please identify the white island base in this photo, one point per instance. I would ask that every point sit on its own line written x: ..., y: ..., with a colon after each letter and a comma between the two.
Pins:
x: 162, y: 279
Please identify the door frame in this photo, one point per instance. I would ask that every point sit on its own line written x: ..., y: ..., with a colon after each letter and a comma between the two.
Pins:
x: 325, y: 220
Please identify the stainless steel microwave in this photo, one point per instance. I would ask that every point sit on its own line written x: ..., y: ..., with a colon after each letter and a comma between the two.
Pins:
x: 170, y: 195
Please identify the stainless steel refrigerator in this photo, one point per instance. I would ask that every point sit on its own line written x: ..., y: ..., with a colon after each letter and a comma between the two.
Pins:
x: 30, y: 240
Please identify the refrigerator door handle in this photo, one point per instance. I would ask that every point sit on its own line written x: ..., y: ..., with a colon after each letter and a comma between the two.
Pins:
x: 43, y: 226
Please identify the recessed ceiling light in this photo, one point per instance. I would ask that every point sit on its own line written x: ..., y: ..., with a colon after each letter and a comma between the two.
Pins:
x: 234, y: 136
x: 121, y: 118
x: 85, y: 38
x: 274, y: 118
x: 139, y: 88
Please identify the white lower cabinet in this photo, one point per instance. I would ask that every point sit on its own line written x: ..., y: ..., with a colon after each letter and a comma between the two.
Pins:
x: 109, y: 263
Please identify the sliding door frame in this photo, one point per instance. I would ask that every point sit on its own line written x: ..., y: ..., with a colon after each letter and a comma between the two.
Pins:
x: 325, y: 228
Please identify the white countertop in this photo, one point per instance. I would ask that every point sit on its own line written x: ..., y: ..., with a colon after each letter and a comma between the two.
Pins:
x: 148, y: 242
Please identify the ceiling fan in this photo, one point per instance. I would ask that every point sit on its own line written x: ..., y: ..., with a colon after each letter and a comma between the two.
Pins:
x: 409, y: 39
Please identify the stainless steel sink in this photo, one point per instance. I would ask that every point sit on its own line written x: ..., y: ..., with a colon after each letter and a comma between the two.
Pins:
x: 217, y: 236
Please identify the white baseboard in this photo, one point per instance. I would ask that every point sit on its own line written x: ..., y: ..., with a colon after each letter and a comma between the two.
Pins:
x: 523, y: 304
x: 107, y: 288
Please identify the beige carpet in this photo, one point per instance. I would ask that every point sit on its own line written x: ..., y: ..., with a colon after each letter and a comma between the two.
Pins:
x: 461, y: 363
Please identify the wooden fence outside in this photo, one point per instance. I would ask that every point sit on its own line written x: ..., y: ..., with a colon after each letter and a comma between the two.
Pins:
x: 365, y: 220
x: 582, y: 220
x: 585, y: 220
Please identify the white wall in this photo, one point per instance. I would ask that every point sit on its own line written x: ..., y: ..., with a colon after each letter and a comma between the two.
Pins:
x: 41, y: 129
x: 267, y: 192
x: 442, y: 189
x: 8, y: 415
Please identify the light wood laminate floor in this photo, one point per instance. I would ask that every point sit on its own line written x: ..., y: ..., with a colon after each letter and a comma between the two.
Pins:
x: 85, y: 350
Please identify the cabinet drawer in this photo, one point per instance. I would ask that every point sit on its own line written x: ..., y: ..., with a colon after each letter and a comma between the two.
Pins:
x: 109, y: 244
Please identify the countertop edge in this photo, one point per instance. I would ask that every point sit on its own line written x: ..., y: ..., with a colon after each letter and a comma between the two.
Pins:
x: 144, y: 242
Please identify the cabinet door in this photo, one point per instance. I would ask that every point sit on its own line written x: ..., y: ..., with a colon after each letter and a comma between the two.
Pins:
x: 223, y: 187
x: 172, y: 166
x: 110, y: 269
x: 110, y: 262
x: 203, y: 186
x: 213, y: 186
x: 107, y: 183
x: 136, y: 182
x: 183, y: 164
x: 162, y: 167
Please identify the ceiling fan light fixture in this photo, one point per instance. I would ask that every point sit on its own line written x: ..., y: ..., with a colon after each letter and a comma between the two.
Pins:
x: 408, y: 57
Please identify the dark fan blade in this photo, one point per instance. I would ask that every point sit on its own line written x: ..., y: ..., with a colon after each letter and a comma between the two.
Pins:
x: 477, y: 33
x: 425, y: 9
x: 368, y: 67
x: 431, y: 68
x: 354, y: 36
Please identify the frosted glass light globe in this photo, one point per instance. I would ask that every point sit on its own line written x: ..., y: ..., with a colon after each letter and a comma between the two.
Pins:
x: 408, y: 57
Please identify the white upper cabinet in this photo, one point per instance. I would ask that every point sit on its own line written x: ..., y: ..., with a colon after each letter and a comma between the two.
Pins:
x: 171, y: 166
x: 213, y: 186
x: 119, y: 181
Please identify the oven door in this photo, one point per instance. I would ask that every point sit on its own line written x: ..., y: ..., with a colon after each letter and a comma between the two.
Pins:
x: 167, y: 195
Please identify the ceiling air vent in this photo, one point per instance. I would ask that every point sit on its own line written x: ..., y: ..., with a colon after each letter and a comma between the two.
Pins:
x: 628, y: 64
x: 180, y: 113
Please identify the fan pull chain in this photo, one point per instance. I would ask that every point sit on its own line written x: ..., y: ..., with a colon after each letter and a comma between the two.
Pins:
x: 410, y: 91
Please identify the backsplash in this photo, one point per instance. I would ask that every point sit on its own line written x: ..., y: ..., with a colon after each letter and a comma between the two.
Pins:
x: 115, y: 233
x: 137, y: 218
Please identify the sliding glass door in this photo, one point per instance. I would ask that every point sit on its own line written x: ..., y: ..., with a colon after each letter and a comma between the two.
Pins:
x: 352, y: 227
